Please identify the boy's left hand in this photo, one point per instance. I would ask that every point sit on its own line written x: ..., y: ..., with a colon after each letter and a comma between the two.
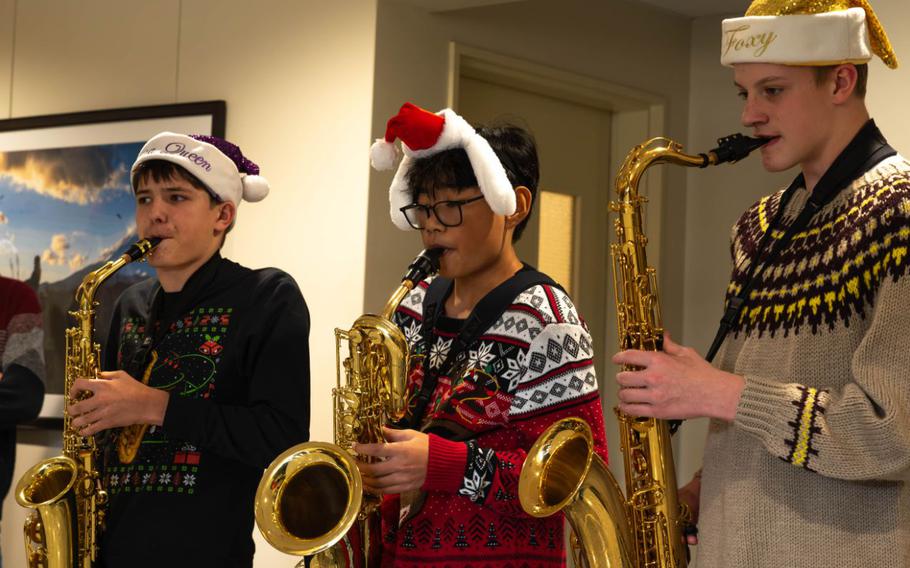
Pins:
x: 403, y: 462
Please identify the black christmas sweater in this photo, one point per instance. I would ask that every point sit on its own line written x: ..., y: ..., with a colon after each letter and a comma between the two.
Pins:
x: 231, y: 348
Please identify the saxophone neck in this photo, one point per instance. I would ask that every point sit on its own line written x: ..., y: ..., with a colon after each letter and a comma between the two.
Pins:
x: 655, y: 151
x: 396, y: 298
x: 85, y: 294
x: 662, y: 150
x: 426, y: 264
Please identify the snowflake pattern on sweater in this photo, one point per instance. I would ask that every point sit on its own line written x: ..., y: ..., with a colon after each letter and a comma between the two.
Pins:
x: 532, y: 367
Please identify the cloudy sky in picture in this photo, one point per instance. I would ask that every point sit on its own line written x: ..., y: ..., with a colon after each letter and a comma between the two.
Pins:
x: 70, y: 207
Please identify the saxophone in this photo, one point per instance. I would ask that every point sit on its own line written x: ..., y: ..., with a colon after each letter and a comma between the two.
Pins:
x: 64, y: 530
x: 642, y: 528
x: 311, y: 496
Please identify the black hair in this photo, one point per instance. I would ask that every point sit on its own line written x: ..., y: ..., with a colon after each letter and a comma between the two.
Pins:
x: 163, y: 170
x: 513, y: 145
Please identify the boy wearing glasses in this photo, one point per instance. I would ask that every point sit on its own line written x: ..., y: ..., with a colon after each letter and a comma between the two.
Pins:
x: 211, y: 355
x: 498, y: 353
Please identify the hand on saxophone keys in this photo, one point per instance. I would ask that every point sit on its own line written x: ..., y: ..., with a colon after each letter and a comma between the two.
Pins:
x: 675, y: 383
x: 401, y: 464
x: 116, y: 400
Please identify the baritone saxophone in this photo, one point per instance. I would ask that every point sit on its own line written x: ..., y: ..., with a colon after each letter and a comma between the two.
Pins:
x: 310, y: 501
x: 643, y: 527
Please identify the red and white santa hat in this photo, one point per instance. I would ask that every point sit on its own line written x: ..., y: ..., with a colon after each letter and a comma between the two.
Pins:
x: 422, y: 134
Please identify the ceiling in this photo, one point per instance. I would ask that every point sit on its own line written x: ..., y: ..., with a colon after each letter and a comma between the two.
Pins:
x: 691, y: 8
x: 451, y: 5
x: 695, y: 8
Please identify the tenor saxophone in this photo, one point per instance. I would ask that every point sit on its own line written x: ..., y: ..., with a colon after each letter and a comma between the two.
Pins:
x: 310, y: 501
x: 64, y: 530
x: 643, y: 527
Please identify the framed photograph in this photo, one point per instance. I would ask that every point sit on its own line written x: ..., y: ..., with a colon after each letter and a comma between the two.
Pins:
x: 66, y: 208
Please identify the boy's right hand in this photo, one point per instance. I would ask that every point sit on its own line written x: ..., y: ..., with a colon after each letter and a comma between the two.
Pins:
x: 402, y: 464
x: 116, y: 400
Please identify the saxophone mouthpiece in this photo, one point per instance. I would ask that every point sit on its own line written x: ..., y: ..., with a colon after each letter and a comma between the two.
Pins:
x: 426, y: 263
x: 141, y: 248
x: 735, y: 147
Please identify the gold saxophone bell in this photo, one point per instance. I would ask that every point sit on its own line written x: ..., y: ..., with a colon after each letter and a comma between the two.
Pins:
x: 564, y: 474
x: 310, y: 501
x: 644, y: 528
x: 48, y: 487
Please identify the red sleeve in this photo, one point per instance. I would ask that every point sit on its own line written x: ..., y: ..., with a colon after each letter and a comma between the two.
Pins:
x: 445, y: 464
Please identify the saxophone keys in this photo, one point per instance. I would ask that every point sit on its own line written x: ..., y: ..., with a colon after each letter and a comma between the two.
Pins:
x: 33, y: 528
x: 350, y: 426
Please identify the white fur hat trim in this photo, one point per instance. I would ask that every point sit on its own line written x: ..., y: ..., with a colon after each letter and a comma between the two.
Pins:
x: 456, y: 133
x: 828, y: 38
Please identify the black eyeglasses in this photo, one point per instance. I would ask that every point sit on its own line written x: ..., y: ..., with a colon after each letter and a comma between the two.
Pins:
x: 448, y: 213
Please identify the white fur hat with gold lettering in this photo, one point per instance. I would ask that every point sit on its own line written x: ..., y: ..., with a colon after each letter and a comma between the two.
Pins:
x: 806, y: 32
x: 218, y: 164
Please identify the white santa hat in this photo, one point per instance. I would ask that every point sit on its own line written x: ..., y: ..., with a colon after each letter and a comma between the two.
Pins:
x: 220, y: 165
x: 806, y: 32
x: 422, y: 134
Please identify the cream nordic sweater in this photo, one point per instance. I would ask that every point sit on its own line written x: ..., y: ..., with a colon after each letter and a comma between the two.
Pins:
x: 813, y: 470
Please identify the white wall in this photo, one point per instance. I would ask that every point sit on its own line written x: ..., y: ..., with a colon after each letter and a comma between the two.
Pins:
x: 717, y: 196
x: 297, y: 76
x: 887, y: 87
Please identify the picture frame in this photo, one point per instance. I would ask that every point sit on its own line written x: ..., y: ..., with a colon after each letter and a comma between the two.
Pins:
x: 66, y: 207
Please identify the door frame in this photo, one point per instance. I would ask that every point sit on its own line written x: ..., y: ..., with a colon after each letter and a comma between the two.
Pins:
x: 636, y: 115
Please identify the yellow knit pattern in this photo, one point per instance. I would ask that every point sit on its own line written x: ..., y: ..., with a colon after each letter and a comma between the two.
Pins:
x: 833, y: 267
x: 804, y: 433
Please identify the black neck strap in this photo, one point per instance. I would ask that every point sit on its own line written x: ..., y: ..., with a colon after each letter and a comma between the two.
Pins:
x: 484, y: 315
x: 867, y: 149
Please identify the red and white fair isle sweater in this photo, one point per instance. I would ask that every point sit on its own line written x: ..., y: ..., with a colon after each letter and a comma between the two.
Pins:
x: 529, y: 369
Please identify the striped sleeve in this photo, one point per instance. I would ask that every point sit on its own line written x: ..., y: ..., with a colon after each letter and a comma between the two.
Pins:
x: 22, y: 340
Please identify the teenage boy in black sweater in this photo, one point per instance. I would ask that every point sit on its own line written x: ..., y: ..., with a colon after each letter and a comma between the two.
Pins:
x: 223, y: 350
